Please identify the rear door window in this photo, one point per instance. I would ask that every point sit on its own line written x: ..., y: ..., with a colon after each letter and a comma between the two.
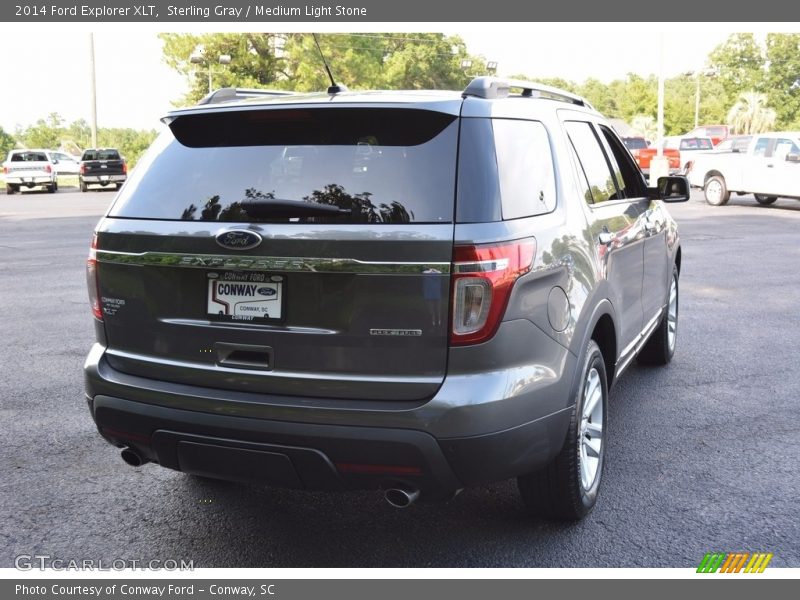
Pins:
x: 379, y: 165
x: 592, y: 160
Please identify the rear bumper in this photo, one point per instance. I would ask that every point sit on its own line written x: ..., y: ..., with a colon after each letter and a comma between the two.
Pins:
x: 103, y: 179
x: 29, y: 180
x: 479, y: 427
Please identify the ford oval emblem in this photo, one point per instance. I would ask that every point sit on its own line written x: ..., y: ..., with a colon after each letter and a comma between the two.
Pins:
x: 238, y: 239
x: 265, y: 291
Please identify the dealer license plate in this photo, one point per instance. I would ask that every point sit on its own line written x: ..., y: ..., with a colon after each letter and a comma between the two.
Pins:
x: 245, y: 296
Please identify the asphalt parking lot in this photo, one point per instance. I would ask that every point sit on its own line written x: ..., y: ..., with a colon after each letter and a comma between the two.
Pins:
x: 703, y: 455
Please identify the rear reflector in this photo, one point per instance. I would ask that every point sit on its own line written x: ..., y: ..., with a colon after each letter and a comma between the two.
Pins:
x: 483, y: 277
x: 91, y: 280
x: 364, y: 469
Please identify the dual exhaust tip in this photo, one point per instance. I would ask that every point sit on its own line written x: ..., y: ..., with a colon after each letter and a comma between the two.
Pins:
x: 399, y: 497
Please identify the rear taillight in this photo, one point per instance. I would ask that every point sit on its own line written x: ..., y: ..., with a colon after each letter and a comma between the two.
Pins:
x: 92, y: 282
x: 483, y: 277
x: 48, y: 169
x: 5, y: 170
x: 82, y: 169
x: 124, y: 168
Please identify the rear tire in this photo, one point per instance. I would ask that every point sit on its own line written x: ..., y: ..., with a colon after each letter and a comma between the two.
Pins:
x: 716, y: 191
x: 567, y: 488
x: 51, y: 189
x: 83, y: 186
x: 10, y: 189
x: 660, y: 348
x: 765, y: 200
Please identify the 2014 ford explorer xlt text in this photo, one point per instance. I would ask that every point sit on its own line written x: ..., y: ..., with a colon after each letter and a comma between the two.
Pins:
x: 412, y: 291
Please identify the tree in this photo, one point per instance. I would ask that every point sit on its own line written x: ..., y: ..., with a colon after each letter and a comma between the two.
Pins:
x: 739, y: 62
x: 46, y: 133
x: 292, y: 61
x: 751, y: 114
x: 783, y: 78
x: 255, y: 60
x: 7, y: 143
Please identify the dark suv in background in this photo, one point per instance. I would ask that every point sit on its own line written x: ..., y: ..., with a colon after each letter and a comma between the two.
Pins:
x: 413, y: 291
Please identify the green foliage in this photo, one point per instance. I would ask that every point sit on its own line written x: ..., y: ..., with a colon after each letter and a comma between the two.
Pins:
x: 750, y: 114
x: 52, y: 133
x: 783, y: 78
x: 131, y: 142
x: 292, y: 61
x: 739, y: 64
x: 7, y: 143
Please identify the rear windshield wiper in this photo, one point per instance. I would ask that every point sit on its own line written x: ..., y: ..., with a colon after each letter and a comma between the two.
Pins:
x: 290, y: 208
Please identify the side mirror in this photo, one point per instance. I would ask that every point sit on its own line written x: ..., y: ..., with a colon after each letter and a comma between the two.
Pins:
x: 674, y: 188
x: 793, y: 157
x: 54, y: 161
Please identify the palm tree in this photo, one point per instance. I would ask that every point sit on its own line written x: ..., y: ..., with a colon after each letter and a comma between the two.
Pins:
x: 750, y: 114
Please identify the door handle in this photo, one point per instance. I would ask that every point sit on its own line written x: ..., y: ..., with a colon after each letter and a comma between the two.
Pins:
x: 770, y: 166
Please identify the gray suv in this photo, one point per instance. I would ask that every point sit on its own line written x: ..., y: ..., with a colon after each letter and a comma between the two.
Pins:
x: 407, y: 291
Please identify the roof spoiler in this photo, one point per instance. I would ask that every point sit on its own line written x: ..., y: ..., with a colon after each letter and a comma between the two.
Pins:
x: 492, y: 88
x: 232, y: 94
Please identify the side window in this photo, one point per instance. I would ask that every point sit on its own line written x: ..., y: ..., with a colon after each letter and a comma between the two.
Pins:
x: 784, y: 147
x: 525, y: 168
x: 592, y: 160
x: 762, y: 145
x: 629, y: 176
x: 742, y: 143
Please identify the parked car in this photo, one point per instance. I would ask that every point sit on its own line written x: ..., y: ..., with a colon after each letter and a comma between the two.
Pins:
x: 64, y: 164
x: 29, y: 169
x: 102, y: 167
x: 686, y: 146
x: 643, y: 157
x: 717, y: 133
x: 768, y: 167
x: 735, y: 143
x: 410, y: 291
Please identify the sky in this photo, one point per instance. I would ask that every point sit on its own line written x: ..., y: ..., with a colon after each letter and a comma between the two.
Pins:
x: 135, y: 88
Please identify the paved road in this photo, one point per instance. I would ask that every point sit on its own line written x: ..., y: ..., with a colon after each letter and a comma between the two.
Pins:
x: 703, y: 454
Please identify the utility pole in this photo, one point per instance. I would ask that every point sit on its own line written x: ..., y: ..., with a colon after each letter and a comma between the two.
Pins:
x: 94, y: 90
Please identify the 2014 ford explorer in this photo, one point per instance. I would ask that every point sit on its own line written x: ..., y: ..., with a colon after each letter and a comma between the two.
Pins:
x: 412, y: 291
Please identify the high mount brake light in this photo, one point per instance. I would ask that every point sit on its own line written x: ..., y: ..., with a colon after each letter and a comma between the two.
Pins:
x: 483, y: 277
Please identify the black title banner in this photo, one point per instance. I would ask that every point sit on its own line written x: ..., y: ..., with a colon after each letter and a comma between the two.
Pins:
x: 375, y: 11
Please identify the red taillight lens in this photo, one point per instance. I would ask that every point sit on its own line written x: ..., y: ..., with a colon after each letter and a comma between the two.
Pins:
x: 5, y: 170
x: 124, y: 168
x: 91, y: 280
x: 482, y: 280
x: 82, y: 169
x: 48, y: 169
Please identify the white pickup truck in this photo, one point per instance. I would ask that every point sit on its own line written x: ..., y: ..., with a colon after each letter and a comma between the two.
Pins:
x: 27, y: 169
x: 768, y: 167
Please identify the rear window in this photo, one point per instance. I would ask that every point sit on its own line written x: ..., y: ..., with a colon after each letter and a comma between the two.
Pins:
x: 634, y: 143
x: 696, y: 144
x: 29, y: 157
x: 101, y: 155
x: 379, y: 165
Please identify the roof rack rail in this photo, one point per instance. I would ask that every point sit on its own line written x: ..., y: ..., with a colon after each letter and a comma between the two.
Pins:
x: 232, y: 94
x: 492, y: 88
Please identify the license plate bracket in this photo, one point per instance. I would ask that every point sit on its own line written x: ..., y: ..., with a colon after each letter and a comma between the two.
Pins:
x: 244, y: 296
